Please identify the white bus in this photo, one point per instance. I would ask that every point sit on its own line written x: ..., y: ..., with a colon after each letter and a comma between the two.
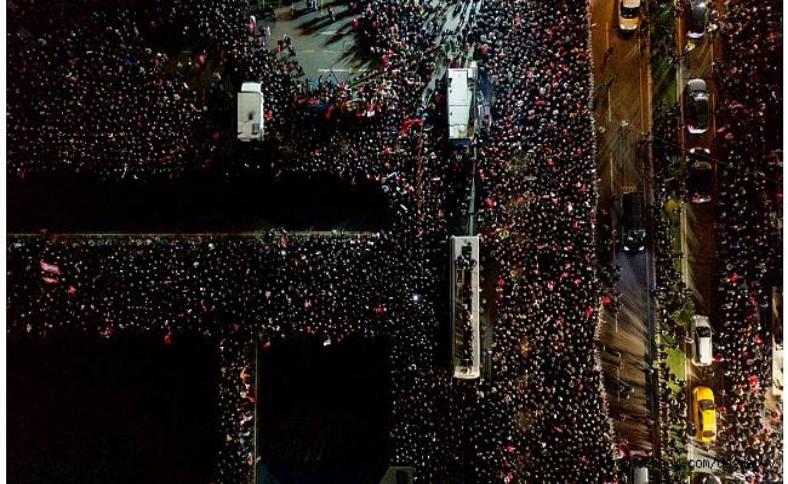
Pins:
x: 251, y: 113
x: 464, y: 292
x: 462, y: 104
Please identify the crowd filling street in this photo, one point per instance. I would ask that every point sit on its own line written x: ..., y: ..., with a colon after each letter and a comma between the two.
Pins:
x: 750, y: 245
x: 149, y: 92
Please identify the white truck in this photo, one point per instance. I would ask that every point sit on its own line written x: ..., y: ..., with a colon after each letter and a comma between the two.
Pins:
x: 251, y: 112
x: 461, y: 84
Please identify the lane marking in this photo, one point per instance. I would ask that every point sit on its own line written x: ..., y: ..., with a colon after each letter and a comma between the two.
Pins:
x: 711, y: 41
x: 713, y: 118
x: 609, y: 108
x: 678, y: 33
x: 680, y: 99
x: 612, y: 175
x: 640, y: 95
x: 339, y: 69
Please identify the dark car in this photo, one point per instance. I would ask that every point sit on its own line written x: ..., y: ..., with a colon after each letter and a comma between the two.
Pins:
x: 633, y: 229
x: 698, y: 19
x: 700, y: 175
x: 697, y: 106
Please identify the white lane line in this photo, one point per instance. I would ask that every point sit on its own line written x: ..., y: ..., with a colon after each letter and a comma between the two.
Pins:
x: 609, y: 108
x: 308, y: 51
x: 643, y: 126
x: 680, y: 100
x: 360, y: 69
x: 328, y: 32
x: 713, y: 118
x: 679, y: 31
x: 711, y: 41
x: 612, y: 187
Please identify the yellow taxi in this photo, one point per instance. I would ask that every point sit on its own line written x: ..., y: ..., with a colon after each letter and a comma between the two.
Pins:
x: 704, y: 415
x: 628, y: 15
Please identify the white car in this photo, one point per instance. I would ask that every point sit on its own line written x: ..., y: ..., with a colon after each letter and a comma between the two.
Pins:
x: 701, y: 333
x: 628, y: 15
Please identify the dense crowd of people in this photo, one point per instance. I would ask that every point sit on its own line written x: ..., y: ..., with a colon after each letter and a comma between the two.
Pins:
x: 537, y: 168
x: 672, y: 295
x: 749, y: 244
x: 97, y: 98
x: 134, y: 108
x: 240, y: 291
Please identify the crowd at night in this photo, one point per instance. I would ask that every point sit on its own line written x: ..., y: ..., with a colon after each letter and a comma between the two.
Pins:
x: 749, y: 246
x: 538, y: 173
x: 112, y: 95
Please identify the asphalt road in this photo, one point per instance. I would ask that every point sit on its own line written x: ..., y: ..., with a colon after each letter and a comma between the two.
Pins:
x: 323, y: 47
x: 697, y: 223
x: 622, y: 112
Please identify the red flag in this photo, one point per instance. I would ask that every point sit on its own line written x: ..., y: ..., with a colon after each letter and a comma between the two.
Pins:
x: 51, y: 268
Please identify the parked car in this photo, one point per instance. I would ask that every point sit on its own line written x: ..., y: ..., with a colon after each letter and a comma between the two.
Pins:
x: 704, y: 415
x: 697, y: 106
x: 633, y: 229
x: 700, y: 175
x: 628, y: 15
x: 701, y: 334
x: 698, y: 19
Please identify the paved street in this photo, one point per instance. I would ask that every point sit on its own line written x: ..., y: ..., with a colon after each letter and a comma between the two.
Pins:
x: 322, y: 46
x: 697, y: 222
x: 622, y: 112
x: 327, y: 48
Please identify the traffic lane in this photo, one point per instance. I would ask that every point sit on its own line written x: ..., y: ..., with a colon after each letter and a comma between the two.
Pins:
x: 700, y: 255
x: 623, y: 66
x: 322, y: 46
x: 698, y: 234
x: 618, y: 78
x: 708, y: 376
x: 697, y: 63
x: 624, y: 336
x: 626, y: 113
x: 621, y: 80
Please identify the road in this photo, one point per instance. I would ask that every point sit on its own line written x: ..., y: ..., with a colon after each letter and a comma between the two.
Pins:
x: 697, y: 223
x: 324, y: 47
x: 622, y: 113
x: 327, y: 48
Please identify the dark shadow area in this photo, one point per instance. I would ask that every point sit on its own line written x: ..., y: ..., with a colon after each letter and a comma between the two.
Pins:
x: 195, y: 203
x: 131, y: 410
x: 324, y: 412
